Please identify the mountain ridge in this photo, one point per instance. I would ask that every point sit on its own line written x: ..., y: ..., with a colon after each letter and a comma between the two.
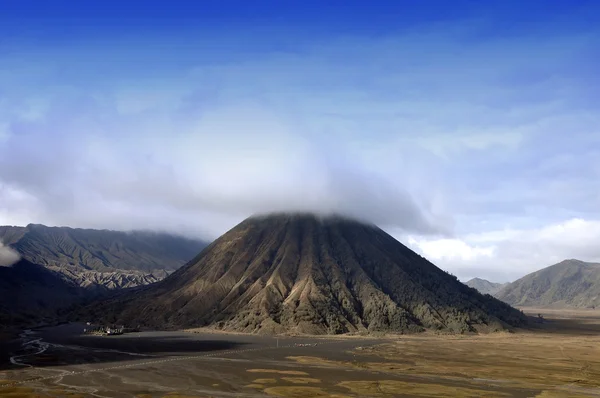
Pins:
x: 102, y: 259
x: 81, y: 264
x: 308, y: 274
x: 100, y: 250
x: 484, y: 286
x: 569, y: 283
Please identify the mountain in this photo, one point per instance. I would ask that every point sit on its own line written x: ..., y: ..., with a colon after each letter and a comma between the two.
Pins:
x: 303, y: 274
x: 61, y: 267
x: 102, y: 258
x: 484, y: 286
x: 30, y: 293
x: 570, y: 283
x: 100, y: 250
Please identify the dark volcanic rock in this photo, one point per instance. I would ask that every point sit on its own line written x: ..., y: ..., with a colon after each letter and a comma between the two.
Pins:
x: 30, y: 293
x: 301, y: 273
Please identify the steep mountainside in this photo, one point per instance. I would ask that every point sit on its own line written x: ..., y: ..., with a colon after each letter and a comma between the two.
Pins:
x: 30, y: 293
x: 63, y: 266
x: 484, y: 286
x: 570, y: 283
x: 300, y: 273
x: 100, y: 250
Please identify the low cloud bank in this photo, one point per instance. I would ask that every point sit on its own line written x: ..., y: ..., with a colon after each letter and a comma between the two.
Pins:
x: 232, y: 162
x: 8, y: 256
x: 507, y: 255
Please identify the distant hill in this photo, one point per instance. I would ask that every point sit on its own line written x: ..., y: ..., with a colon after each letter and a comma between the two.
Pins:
x: 303, y: 274
x: 484, y: 286
x: 570, y: 283
x: 102, y: 258
x: 100, y: 250
x: 61, y: 266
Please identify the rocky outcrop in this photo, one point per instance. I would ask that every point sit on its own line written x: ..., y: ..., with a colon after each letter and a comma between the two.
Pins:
x: 105, y: 281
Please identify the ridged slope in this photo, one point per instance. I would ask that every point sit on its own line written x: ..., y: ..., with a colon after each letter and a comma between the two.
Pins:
x: 299, y: 273
x: 484, y: 286
x: 570, y: 283
x: 100, y: 250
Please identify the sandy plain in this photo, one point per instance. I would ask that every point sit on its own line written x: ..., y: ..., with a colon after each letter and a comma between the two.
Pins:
x: 559, y: 357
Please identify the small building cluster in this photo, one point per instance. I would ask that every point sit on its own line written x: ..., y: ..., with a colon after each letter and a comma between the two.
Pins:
x: 105, y: 330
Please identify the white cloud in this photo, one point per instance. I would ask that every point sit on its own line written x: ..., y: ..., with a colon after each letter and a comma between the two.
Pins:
x: 445, y: 145
x: 150, y: 96
x: 255, y: 162
x: 17, y: 207
x: 4, y: 132
x: 432, y: 130
x: 451, y: 249
x: 509, y: 254
x: 8, y: 256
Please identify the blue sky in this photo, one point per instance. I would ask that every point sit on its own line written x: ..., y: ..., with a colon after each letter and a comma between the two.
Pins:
x: 469, y: 130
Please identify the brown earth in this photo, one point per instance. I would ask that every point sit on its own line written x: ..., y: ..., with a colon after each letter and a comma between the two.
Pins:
x: 549, y: 361
x: 303, y: 274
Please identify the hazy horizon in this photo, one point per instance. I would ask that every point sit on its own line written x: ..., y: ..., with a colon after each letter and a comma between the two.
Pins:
x: 468, y: 131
